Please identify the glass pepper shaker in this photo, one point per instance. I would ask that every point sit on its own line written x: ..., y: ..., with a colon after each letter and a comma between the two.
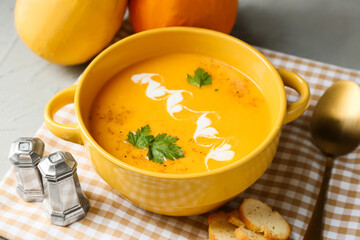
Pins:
x: 64, y: 201
x: 25, y: 155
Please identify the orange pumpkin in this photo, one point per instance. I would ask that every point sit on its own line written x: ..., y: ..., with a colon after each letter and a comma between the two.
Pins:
x: 218, y: 15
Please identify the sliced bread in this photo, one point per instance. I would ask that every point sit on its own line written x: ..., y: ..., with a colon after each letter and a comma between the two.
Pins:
x: 234, y: 218
x: 245, y: 234
x: 260, y: 218
x: 241, y: 232
x: 220, y: 228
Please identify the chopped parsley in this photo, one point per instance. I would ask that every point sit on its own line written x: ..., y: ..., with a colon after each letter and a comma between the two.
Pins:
x: 140, y: 139
x: 200, y: 78
x: 160, y: 147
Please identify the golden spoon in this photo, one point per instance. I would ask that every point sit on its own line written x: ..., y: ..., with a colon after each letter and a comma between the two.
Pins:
x: 335, y: 128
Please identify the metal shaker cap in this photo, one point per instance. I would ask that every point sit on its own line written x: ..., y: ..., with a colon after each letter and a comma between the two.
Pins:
x: 57, y: 166
x: 26, y: 151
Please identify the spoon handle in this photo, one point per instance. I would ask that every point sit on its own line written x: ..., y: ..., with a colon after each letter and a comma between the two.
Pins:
x: 314, y: 230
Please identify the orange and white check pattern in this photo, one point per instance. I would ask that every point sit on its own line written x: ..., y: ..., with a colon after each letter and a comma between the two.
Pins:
x: 290, y: 185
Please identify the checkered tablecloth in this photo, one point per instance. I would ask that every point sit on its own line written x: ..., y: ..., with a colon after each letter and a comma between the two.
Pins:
x: 290, y: 185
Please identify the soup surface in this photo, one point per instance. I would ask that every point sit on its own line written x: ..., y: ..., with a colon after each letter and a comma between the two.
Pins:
x: 215, y: 124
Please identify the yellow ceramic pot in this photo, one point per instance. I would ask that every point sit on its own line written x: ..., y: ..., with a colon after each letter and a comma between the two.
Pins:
x: 179, y: 194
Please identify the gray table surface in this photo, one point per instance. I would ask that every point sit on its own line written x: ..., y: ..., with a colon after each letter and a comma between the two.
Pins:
x: 323, y: 30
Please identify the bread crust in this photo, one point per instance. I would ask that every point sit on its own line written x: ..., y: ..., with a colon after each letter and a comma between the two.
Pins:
x: 219, y: 227
x: 240, y: 235
x: 244, y: 234
x: 234, y: 218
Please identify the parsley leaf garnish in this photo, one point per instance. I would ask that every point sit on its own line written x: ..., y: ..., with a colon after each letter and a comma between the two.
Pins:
x: 160, y: 147
x: 200, y: 78
x: 140, y: 139
x: 163, y: 147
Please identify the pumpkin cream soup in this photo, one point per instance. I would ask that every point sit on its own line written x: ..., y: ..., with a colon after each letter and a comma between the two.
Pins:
x: 208, y: 114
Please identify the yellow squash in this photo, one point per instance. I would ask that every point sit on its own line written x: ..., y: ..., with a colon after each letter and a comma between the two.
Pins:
x: 68, y: 32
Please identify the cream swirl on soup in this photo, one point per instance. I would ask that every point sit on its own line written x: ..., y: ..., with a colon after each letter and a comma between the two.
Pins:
x: 220, y: 149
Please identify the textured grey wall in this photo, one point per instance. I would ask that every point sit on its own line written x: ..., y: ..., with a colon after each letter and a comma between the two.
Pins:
x: 324, y: 30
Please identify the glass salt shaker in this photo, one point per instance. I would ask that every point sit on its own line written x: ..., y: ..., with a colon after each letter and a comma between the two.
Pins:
x: 64, y: 201
x: 25, y: 154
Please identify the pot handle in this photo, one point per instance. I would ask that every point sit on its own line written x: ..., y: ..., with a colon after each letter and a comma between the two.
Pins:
x: 69, y: 132
x: 294, y: 110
